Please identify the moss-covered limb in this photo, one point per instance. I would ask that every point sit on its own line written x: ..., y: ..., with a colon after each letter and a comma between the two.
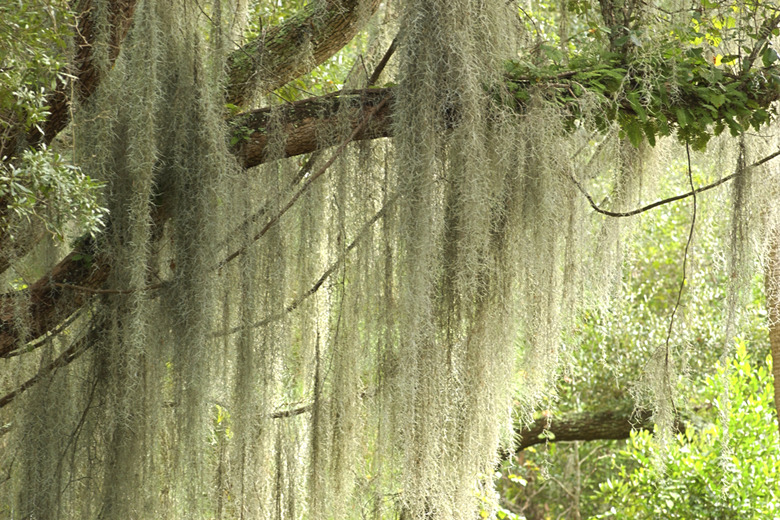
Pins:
x: 612, y: 424
x: 83, y: 74
x: 305, y: 119
x: 67, y: 356
x: 279, y: 56
x: 46, y: 302
x: 307, y: 123
x: 686, y: 95
x: 295, y: 47
x: 701, y: 102
x: 82, y: 78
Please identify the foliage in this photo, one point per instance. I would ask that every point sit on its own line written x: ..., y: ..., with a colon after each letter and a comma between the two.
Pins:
x: 42, y: 185
x: 358, y: 326
x: 686, y: 93
x: 655, y: 87
x: 39, y: 183
x: 33, y: 38
x: 611, y: 346
x: 712, y: 472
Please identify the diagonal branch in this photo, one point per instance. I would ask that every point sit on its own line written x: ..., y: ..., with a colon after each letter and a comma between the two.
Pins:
x: 358, y: 129
x: 67, y: 356
x: 648, y: 207
x: 45, y: 303
x: 295, y: 47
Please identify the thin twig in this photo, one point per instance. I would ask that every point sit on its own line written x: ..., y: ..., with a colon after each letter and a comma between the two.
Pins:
x: 48, y: 337
x: 620, y: 214
x: 66, y: 357
x: 321, y: 280
x: 667, y: 381
x: 106, y: 291
x: 685, y: 260
x: 381, y: 65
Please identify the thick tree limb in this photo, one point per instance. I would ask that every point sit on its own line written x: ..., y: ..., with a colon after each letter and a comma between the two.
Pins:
x: 46, y: 302
x: 308, y: 123
x: 316, y: 33
x: 295, y: 47
x: 613, y: 424
x: 304, y: 123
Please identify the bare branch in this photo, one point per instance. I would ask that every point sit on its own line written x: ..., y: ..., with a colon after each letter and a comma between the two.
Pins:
x: 620, y: 214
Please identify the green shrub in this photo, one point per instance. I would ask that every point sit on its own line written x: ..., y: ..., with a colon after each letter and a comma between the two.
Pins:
x: 707, y: 473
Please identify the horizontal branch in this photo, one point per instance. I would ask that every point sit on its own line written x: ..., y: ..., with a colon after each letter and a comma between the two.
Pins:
x: 308, y: 124
x: 279, y: 55
x: 613, y: 424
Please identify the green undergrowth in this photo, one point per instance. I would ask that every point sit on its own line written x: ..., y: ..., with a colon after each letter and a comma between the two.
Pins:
x: 723, y: 470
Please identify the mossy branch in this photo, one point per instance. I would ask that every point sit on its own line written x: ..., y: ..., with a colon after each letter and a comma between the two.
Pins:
x: 686, y: 95
x: 612, y: 424
x: 295, y: 47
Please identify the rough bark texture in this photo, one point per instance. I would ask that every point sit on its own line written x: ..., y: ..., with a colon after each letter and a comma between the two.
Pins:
x: 306, y: 123
x: 293, y: 48
x: 613, y: 424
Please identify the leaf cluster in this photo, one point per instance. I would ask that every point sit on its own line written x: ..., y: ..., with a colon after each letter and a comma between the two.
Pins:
x: 42, y: 185
x: 685, y: 94
x: 33, y: 43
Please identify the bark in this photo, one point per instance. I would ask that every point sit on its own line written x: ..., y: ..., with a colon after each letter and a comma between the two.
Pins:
x: 293, y: 48
x: 772, y: 281
x: 322, y: 30
x: 87, y: 74
x: 50, y: 300
x: 613, y: 424
x: 307, y: 123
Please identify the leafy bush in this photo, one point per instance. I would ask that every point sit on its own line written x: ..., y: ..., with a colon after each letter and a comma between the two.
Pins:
x: 707, y: 473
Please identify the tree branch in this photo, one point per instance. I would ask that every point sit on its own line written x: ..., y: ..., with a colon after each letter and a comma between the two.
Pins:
x: 66, y: 357
x: 307, y: 123
x: 637, y: 211
x: 295, y: 47
x: 613, y: 424
x: 45, y: 303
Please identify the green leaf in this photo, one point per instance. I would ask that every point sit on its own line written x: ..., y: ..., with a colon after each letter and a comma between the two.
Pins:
x: 682, y: 117
x: 633, y: 132
x: 769, y: 56
x: 650, y: 133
